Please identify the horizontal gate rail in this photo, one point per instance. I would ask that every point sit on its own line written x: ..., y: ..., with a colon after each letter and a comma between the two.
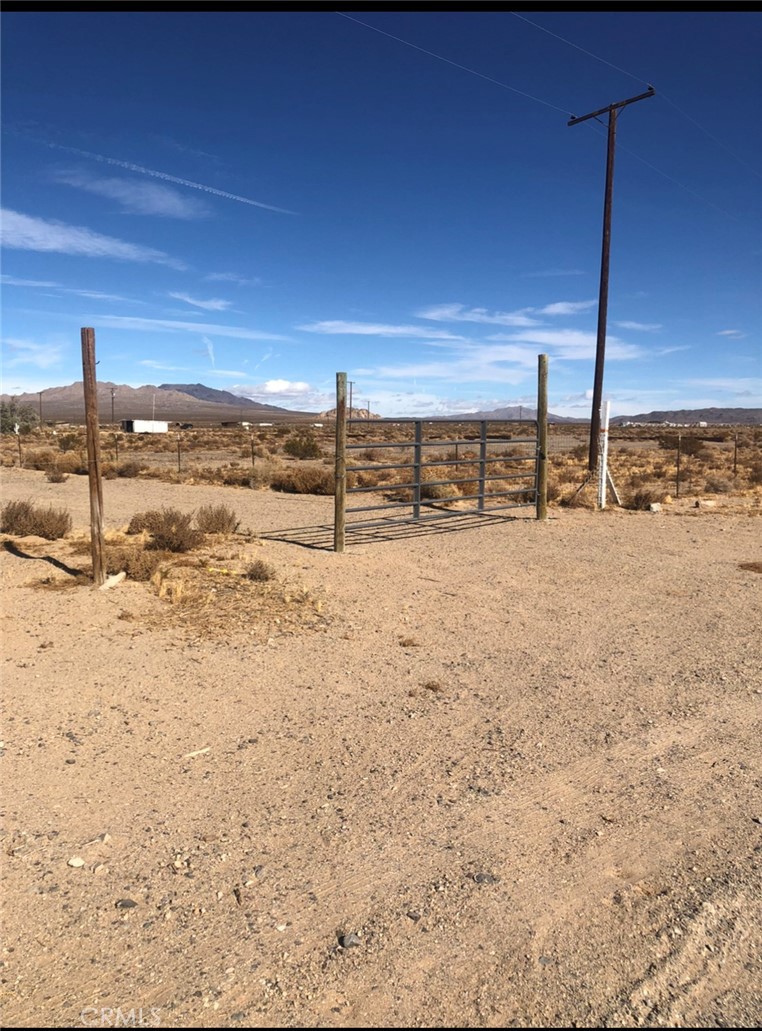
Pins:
x: 438, y: 483
x: 444, y: 501
x: 435, y: 443
x: 454, y: 461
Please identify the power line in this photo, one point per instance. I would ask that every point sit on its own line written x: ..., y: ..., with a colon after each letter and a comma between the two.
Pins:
x: 711, y: 137
x: 554, y: 107
x: 582, y: 49
x: 637, y: 78
x: 674, y: 181
x: 455, y: 64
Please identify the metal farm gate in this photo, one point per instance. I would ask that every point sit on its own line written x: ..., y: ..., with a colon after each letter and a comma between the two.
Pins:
x: 516, y: 478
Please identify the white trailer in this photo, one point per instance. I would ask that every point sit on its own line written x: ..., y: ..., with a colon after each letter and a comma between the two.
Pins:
x: 144, y: 426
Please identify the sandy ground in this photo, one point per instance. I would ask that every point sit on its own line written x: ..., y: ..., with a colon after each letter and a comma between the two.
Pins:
x: 514, y: 767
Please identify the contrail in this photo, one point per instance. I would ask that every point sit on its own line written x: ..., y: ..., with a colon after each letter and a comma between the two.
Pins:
x: 168, y: 178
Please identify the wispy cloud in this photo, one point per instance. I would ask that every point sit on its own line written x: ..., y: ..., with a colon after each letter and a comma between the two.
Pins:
x: 95, y: 295
x: 736, y: 334
x: 572, y: 344
x: 661, y: 351
x: 131, y: 167
x: 137, y: 197
x: 175, y: 326
x: 233, y: 277
x: 151, y: 364
x: 469, y: 368
x: 13, y: 281
x: 265, y: 357
x: 213, y: 304
x: 26, y: 233
x: 566, y: 308
x: 521, y: 317
x: 459, y: 313
x: 30, y: 352
x: 226, y: 373
x: 377, y: 329
x: 646, y: 327
x: 209, y: 348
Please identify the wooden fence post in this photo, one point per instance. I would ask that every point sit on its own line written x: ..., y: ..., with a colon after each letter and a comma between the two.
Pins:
x: 340, y: 476
x: 93, y: 456
x: 542, y: 437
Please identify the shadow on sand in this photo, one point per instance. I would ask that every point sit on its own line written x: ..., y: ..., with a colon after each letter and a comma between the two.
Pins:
x: 14, y: 550
x: 381, y: 531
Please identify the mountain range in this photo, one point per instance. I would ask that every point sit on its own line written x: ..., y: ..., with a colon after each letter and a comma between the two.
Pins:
x: 196, y: 403
x: 170, y: 402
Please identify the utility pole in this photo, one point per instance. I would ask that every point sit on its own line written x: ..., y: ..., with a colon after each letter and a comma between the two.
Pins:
x: 113, y: 391
x: 603, y: 292
x: 39, y: 392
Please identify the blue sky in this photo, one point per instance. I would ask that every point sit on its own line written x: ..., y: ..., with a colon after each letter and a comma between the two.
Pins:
x: 255, y: 200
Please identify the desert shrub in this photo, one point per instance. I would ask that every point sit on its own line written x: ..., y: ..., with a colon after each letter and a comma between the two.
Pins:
x: 23, y: 519
x: 171, y: 530
x: 129, y: 469
x: 302, y: 444
x: 370, y: 478
x: 233, y: 477
x: 144, y: 522
x: 55, y: 475
x: 688, y: 445
x: 72, y: 463
x: 260, y: 571
x: 43, y: 458
x: 307, y: 480
x: 439, y: 492
x: 217, y: 519
x: 718, y: 485
x: 755, y: 473
x: 642, y: 499
x: 137, y: 563
x: 577, y: 499
x: 554, y: 489
x: 12, y: 414
x: 262, y: 475
x: 69, y: 441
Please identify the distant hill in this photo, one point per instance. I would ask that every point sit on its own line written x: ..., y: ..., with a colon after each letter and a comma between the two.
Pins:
x: 512, y: 413
x: 219, y: 397
x: 167, y: 404
x: 691, y: 416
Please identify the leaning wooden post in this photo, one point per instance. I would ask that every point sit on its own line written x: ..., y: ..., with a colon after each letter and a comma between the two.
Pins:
x: 340, y: 489
x: 542, y: 436
x: 93, y: 456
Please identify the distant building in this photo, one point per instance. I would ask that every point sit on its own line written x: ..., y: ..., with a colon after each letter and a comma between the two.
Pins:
x: 144, y: 426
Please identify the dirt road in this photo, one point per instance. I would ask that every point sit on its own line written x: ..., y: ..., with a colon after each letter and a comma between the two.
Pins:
x: 514, y: 769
